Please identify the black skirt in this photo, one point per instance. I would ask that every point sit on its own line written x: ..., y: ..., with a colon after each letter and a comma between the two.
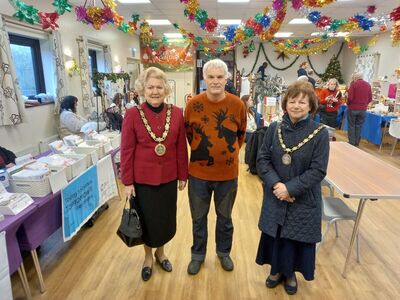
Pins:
x: 286, y: 256
x: 156, y: 206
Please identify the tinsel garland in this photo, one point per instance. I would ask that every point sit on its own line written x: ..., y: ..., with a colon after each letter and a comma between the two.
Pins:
x: 312, y: 50
x: 311, y: 65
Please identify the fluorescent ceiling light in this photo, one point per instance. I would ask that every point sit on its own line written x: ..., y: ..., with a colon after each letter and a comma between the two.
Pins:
x: 229, y: 21
x: 232, y: 1
x: 173, y: 35
x: 134, y: 1
x: 300, y: 21
x: 283, y: 34
x: 317, y: 33
x: 339, y: 34
x: 158, y: 22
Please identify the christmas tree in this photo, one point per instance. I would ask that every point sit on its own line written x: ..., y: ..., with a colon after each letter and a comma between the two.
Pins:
x: 333, y: 70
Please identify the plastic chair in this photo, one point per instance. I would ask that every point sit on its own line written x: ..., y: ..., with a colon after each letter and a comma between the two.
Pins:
x: 394, y: 131
x: 333, y: 210
x: 325, y: 183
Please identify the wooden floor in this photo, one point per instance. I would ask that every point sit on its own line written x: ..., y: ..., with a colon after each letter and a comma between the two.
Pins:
x: 97, y: 265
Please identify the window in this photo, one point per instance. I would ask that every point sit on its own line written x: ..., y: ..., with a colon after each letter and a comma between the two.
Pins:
x: 92, y: 62
x: 28, y: 63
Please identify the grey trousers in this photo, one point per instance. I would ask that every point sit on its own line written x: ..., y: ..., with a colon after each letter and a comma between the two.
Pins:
x: 355, y: 119
x: 200, y: 192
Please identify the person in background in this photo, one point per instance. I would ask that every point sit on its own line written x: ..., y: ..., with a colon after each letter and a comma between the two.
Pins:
x: 261, y: 70
x: 330, y: 99
x: 70, y: 122
x: 154, y: 164
x: 118, y: 101
x: 311, y: 80
x: 7, y: 158
x: 230, y: 87
x: 215, y: 127
x: 359, y: 96
x: 292, y: 162
x: 133, y: 99
x: 254, y: 118
x: 302, y: 69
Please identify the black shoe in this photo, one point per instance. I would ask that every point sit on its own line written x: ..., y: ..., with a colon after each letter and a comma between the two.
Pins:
x: 273, y: 283
x: 291, y: 290
x: 146, y: 273
x: 226, y: 263
x: 165, y: 264
x: 194, y: 267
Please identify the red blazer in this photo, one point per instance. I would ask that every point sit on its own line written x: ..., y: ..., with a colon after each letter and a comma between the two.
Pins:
x: 139, y: 162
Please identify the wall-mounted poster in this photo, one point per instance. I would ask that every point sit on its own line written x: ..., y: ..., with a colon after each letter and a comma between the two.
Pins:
x: 176, y: 56
x: 172, y: 97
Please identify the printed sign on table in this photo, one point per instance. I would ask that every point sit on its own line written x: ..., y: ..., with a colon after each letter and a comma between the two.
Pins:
x: 80, y: 199
x: 107, y: 185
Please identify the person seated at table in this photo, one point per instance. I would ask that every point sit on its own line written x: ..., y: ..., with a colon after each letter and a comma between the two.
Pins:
x: 7, y: 158
x: 70, y: 122
x: 330, y: 99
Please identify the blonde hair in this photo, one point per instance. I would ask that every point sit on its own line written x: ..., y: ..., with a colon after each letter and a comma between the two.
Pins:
x: 151, y: 72
x: 333, y: 80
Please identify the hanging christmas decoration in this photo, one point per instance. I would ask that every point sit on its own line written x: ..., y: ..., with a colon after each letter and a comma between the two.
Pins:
x: 281, y: 55
x: 371, y: 9
x: 307, y: 51
x: 48, y: 20
x: 62, y: 6
x: 395, y: 35
x: 316, y: 3
x: 98, y: 16
x: 145, y: 33
x: 26, y: 13
x: 357, y: 48
x: 245, y: 51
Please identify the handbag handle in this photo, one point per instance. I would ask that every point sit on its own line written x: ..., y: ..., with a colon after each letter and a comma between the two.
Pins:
x: 126, y: 200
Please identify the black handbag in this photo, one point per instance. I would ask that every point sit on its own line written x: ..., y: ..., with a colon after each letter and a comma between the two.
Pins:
x: 130, y: 229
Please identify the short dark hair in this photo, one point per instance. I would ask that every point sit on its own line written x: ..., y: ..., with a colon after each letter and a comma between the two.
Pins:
x: 68, y: 103
x: 301, y: 88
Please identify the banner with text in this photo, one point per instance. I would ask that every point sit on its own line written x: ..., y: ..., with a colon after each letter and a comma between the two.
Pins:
x: 85, y: 194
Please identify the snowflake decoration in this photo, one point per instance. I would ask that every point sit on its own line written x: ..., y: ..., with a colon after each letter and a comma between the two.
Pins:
x: 198, y: 107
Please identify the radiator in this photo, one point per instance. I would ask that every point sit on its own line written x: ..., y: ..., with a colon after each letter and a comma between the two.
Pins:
x: 30, y: 149
x: 44, y: 144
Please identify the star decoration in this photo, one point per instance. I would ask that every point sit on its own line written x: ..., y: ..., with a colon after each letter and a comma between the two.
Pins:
x: 281, y: 55
x: 27, y: 13
x: 48, y: 20
x: 62, y: 6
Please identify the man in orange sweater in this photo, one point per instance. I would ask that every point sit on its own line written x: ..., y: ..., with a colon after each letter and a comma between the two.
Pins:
x: 215, y: 123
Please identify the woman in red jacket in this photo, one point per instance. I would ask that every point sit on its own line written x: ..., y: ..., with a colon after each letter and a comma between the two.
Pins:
x: 330, y: 98
x: 153, y: 162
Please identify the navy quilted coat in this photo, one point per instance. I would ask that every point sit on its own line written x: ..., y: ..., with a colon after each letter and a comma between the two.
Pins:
x: 300, y: 220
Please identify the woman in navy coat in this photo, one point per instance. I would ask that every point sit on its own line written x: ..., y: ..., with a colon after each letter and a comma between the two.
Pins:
x: 292, y: 163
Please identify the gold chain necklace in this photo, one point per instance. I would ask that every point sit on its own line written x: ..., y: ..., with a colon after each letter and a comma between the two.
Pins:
x: 286, y: 158
x: 160, y: 148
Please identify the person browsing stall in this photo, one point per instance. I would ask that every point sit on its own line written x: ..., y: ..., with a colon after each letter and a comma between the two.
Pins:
x: 154, y: 164
x: 292, y: 162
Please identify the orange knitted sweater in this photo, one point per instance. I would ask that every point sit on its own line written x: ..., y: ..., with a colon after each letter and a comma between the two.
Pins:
x: 215, y: 131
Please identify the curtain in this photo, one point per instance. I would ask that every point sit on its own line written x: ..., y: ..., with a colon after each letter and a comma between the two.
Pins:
x: 12, y: 107
x: 86, y: 82
x: 367, y: 65
x: 61, y: 78
x: 107, y: 59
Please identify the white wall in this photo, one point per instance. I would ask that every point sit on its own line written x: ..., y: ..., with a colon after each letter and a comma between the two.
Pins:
x: 40, y: 120
x: 319, y: 61
x: 184, y: 85
x: 389, y: 58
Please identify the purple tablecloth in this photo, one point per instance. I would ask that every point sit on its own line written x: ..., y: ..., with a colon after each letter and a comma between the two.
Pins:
x: 10, y: 225
x: 42, y: 223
